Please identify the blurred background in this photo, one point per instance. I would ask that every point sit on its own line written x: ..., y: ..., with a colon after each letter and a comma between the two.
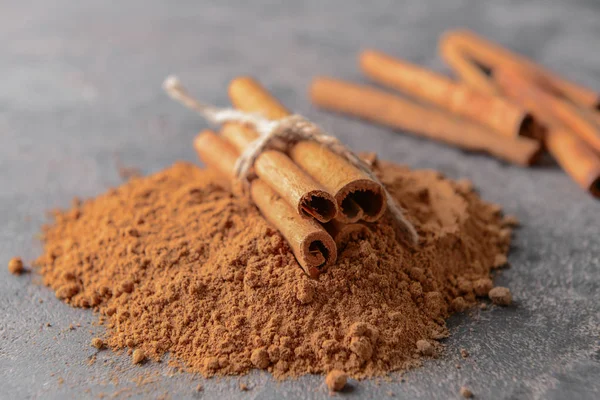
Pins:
x: 80, y: 93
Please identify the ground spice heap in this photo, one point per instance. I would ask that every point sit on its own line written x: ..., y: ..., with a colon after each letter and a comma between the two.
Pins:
x: 174, y: 263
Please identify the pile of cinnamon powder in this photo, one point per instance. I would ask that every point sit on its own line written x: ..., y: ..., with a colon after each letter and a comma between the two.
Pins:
x: 174, y: 263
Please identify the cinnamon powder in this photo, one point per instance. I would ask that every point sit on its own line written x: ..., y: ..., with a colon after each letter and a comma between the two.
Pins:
x: 174, y: 263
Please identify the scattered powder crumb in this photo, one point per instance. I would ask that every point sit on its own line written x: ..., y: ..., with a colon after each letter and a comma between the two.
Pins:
x: 390, y: 393
x: 138, y: 356
x: 92, y: 360
x: 60, y: 380
x: 336, y: 380
x: 174, y: 263
x: 482, y: 286
x: 511, y: 221
x: 15, y: 266
x: 500, y: 296
x: 500, y: 261
x: 244, y: 387
x: 199, y: 388
x: 457, y: 366
x: 425, y: 348
x: 97, y: 343
x: 483, y: 306
x: 466, y: 392
x: 459, y: 304
x: 260, y: 358
x: 464, y: 353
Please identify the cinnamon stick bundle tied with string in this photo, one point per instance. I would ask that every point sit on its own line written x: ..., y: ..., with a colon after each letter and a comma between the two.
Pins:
x: 357, y: 195
x: 572, y: 153
x: 313, y: 247
x: 282, y: 134
x: 381, y: 107
x: 491, y: 111
x: 467, y: 52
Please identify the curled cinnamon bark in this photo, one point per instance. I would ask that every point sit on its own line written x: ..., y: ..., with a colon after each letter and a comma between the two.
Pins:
x: 357, y: 195
x: 313, y: 247
x: 344, y: 233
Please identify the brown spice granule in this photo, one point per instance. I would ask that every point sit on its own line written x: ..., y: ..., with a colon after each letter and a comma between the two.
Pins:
x: 260, y: 358
x: 466, y: 392
x: 177, y: 264
x: 511, y: 221
x: 97, y: 343
x: 138, y: 356
x: 500, y: 261
x: 15, y: 266
x: 500, y: 296
x: 336, y: 380
x: 464, y: 353
x: 482, y: 287
x: 425, y: 348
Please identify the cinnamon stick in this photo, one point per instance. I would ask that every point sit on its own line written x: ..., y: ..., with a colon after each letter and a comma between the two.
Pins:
x: 285, y: 177
x: 458, y: 45
x: 572, y: 153
x: 511, y: 80
x: 313, y: 247
x: 381, y: 107
x: 358, y: 196
x: 491, y: 111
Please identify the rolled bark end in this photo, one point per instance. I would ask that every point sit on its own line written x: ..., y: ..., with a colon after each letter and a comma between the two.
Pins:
x: 318, y: 252
x: 530, y: 128
x: 361, y: 199
x: 344, y: 233
x: 318, y: 204
x: 595, y: 187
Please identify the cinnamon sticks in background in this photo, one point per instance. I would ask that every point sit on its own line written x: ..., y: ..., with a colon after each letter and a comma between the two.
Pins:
x: 510, y: 118
x: 358, y: 196
x: 381, y: 107
x: 459, y: 47
x: 571, y: 152
x: 491, y: 111
x: 313, y: 247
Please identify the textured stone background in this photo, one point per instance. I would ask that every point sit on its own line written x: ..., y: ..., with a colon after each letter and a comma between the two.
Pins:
x: 80, y: 87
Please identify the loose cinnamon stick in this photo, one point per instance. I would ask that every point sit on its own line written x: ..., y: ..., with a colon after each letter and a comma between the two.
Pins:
x: 491, y: 111
x: 458, y: 44
x: 313, y: 247
x: 571, y: 116
x: 393, y: 111
x: 357, y: 195
x: 573, y: 154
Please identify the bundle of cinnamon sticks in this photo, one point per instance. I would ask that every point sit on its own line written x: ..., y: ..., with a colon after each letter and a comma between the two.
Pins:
x: 315, y: 198
x: 514, y: 113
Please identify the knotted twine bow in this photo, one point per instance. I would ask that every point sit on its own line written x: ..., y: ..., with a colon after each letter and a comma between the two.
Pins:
x: 281, y: 135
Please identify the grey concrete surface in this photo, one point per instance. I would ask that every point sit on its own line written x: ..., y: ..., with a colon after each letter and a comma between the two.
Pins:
x: 80, y: 86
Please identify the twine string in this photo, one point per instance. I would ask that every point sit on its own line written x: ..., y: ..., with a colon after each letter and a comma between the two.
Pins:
x: 281, y: 135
